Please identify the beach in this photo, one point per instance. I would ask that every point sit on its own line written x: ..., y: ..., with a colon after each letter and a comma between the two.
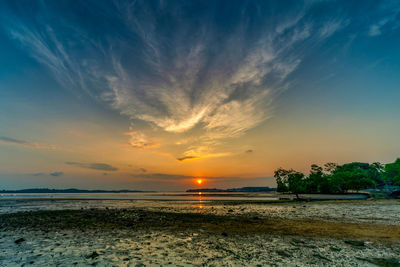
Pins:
x: 201, y: 233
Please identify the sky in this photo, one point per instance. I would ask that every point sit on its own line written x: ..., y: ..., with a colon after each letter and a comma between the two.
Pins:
x: 152, y: 95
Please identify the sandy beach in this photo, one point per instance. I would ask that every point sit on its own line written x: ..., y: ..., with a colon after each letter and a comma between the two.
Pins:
x: 210, y: 233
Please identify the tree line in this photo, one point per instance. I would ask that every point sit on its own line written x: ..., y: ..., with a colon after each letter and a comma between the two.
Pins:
x: 334, y: 178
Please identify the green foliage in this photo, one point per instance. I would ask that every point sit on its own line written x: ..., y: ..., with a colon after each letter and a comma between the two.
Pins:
x: 289, y: 181
x: 334, y: 178
x: 281, y: 176
x: 392, y: 172
x: 296, y: 183
x: 376, y: 173
x: 314, y: 180
x: 353, y: 176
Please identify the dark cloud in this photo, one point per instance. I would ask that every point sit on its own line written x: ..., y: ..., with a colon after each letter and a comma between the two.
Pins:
x: 38, y: 174
x: 162, y: 176
x: 143, y: 170
x: 56, y: 173
x: 45, y: 174
x: 13, y: 141
x: 249, y: 151
x: 94, y: 166
x: 187, y: 157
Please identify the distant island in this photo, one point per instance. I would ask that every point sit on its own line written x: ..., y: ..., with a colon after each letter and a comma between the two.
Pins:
x: 242, y: 189
x: 69, y: 190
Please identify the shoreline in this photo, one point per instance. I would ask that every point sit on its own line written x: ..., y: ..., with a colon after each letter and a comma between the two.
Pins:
x: 210, y: 233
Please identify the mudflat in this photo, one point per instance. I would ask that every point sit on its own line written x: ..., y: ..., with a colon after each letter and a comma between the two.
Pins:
x: 228, y: 233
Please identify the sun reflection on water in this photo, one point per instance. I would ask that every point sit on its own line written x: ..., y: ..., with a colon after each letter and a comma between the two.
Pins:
x: 200, y: 201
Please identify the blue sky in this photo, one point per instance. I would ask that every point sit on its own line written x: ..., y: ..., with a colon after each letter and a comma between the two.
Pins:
x: 162, y: 91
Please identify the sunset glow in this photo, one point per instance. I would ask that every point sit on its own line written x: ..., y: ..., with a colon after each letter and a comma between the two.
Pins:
x: 238, y: 90
x: 170, y: 132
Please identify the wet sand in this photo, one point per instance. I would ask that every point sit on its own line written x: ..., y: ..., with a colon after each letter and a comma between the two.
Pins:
x: 215, y: 233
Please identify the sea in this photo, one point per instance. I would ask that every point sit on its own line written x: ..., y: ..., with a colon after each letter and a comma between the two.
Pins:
x: 10, y: 203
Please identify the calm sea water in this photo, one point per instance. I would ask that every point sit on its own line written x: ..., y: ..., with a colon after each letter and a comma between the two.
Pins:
x: 26, y: 202
x: 141, y: 196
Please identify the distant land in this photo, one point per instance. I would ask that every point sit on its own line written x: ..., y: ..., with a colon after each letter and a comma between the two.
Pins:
x: 69, y: 190
x: 242, y: 189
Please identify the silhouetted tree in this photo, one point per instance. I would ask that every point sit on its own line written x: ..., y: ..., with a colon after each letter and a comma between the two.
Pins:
x: 290, y: 181
x: 281, y: 177
x: 330, y: 167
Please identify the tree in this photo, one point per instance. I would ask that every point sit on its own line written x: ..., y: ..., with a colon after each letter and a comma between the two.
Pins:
x: 289, y: 181
x: 337, y: 183
x: 314, y: 180
x: 375, y: 173
x: 392, y: 172
x: 281, y: 177
x: 296, y: 183
x: 352, y: 176
x: 330, y: 167
x: 334, y: 178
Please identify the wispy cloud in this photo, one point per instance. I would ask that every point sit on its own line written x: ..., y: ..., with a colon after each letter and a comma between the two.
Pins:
x: 140, y: 140
x: 18, y: 142
x: 203, y: 79
x: 93, y: 166
x: 332, y: 26
x: 390, y: 20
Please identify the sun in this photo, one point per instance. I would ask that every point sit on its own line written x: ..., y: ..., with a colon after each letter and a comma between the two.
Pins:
x: 199, y: 181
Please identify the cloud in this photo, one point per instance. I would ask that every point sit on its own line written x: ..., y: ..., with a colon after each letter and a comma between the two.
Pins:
x: 209, y: 79
x: 44, y: 174
x: 249, y: 151
x: 142, y: 169
x: 388, y: 22
x: 332, y: 26
x: 93, y: 166
x: 162, y: 176
x: 38, y: 174
x: 35, y: 145
x: 187, y: 158
x: 376, y: 29
x: 56, y: 173
x: 140, y: 140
